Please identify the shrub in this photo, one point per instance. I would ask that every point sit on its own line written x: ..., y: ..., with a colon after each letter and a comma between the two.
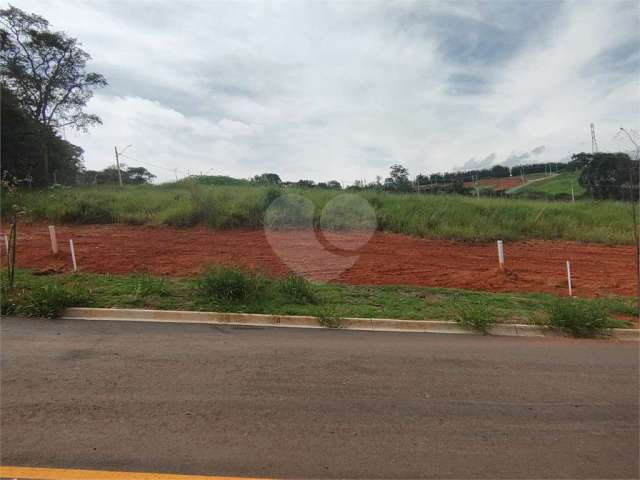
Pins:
x: 580, y: 318
x: 229, y: 284
x: 475, y: 316
x: 329, y: 318
x: 49, y: 301
x: 86, y: 211
x: 296, y: 289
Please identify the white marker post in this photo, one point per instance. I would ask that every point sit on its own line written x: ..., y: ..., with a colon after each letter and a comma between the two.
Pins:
x: 6, y: 245
x: 501, y: 254
x: 573, y: 196
x: 54, y: 240
x: 73, y: 256
x: 569, y: 278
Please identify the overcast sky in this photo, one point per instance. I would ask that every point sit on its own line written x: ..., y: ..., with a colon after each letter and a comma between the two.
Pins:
x: 342, y: 90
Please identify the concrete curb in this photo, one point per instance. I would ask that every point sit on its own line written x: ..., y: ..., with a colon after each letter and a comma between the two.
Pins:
x: 370, y: 324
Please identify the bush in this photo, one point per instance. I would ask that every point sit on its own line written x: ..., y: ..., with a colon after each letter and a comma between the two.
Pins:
x: 580, y: 318
x: 86, y: 211
x: 229, y: 284
x: 329, y: 318
x: 297, y: 290
x: 49, y: 301
x: 475, y: 316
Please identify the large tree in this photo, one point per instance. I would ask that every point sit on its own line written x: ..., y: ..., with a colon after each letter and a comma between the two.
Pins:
x: 46, y: 71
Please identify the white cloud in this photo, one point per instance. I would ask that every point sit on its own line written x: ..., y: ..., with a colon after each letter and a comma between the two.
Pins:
x: 343, y: 90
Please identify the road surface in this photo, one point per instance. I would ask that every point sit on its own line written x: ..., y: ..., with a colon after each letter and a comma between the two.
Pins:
x: 290, y: 403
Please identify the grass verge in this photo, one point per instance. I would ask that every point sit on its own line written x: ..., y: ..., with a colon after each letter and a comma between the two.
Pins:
x: 254, y: 293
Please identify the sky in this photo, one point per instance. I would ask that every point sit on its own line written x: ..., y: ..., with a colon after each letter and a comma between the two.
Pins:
x: 343, y: 90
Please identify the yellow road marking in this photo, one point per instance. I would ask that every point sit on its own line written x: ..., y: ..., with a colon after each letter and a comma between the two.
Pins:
x: 70, y: 474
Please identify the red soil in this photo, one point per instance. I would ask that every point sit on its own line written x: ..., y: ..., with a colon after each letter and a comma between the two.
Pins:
x: 533, y: 266
x: 499, y: 183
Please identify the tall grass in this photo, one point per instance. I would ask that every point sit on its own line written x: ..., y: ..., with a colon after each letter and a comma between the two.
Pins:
x: 430, y: 216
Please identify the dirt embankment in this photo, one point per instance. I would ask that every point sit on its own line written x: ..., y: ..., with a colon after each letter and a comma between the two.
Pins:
x: 387, y: 259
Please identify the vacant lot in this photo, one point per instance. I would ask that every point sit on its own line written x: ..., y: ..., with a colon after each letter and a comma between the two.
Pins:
x: 388, y: 259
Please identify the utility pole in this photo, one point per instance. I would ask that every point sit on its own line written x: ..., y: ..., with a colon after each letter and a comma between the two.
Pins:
x: 115, y: 149
x: 594, y: 142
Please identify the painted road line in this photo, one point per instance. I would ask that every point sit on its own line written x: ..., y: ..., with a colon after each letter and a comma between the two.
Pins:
x: 32, y: 473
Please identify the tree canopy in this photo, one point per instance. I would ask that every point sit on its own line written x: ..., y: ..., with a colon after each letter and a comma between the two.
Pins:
x: 46, y: 70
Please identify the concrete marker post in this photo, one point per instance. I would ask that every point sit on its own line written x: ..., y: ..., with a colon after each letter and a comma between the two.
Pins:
x: 569, y: 278
x: 573, y: 196
x: 501, y: 254
x: 54, y: 239
x: 73, y: 256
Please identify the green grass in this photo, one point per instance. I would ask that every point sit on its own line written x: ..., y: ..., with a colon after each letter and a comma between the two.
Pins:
x: 557, y: 187
x: 326, y: 300
x: 476, y: 316
x: 431, y: 216
x: 580, y: 318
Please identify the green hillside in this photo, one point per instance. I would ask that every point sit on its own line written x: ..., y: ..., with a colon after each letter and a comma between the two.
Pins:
x: 557, y: 187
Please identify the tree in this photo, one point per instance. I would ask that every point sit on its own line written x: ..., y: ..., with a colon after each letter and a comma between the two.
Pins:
x: 610, y: 176
x: 267, y: 179
x: 137, y: 176
x: 398, y: 179
x: 305, y: 183
x: 46, y: 71
x: 21, y: 151
x: 109, y: 176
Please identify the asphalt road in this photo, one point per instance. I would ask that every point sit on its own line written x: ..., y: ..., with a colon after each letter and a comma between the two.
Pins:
x: 315, y: 403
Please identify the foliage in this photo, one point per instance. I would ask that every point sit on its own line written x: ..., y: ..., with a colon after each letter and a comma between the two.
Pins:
x: 22, y: 149
x: 390, y: 301
x: 267, y: 179
x: 328, y: 317
x: 476, y: 316
x: 580, y: 318
x: 296, y: 289
x: 49, y: 301
x: 229, y: 284
x: 109, y: 176
x: 398, y: 180
x: 46, y: 70
x: 147, y: 285
x: 611, y: 176
x: 452, y: 217
x: 212, y: 180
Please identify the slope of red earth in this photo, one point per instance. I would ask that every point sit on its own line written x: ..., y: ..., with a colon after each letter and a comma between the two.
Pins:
x: 387, y: 259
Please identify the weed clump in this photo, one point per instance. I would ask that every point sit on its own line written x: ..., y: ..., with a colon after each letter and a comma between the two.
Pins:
x: 329, y: 318
x: 228, y: 284
x: 296, y: 289
x: 475, y: 316
x: 147, y: 285
x: 49, y: 301
x: 580, y: 318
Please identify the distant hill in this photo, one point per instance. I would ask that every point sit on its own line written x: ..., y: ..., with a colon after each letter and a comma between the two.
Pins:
x: 556, y: 187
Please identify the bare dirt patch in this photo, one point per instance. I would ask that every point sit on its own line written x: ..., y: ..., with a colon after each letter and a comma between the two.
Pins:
x: 387, y: 259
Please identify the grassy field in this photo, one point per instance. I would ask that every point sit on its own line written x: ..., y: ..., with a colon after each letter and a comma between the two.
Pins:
x: 432, y: 216
x: 557, y: 187
x: 231, y: 291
